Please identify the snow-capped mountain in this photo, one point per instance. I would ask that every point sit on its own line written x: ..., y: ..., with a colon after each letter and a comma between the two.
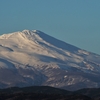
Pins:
x: 33, y: 58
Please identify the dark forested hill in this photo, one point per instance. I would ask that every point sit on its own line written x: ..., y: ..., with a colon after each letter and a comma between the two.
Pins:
x: 48, y: 93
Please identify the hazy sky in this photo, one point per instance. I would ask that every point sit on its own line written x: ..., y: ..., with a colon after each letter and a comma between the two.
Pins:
x: 74, y: 21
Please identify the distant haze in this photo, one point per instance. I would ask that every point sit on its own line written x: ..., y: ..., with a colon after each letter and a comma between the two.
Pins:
x: 74, y: 21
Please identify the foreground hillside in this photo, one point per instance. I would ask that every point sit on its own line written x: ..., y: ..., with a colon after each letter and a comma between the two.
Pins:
x: 33, y: 96
x: 40, y: 93
x: 48, y: 93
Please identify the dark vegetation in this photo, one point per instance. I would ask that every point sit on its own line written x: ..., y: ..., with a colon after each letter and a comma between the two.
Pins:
x: 48, y: 93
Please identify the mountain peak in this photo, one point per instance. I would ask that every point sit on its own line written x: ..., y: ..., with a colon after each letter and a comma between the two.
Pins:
x: 41, y: 37
x: 31, y: 31
x: 36, y: 31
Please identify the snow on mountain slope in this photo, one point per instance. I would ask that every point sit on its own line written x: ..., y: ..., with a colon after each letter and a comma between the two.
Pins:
x: 34, y: 58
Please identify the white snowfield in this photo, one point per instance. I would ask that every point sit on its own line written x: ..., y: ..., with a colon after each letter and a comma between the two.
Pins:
x: 33, y: 58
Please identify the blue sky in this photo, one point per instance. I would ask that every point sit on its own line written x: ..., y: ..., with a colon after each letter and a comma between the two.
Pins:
x: 76, y: 22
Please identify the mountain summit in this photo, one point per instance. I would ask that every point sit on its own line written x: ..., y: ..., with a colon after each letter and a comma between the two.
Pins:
x: 30, y: 58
